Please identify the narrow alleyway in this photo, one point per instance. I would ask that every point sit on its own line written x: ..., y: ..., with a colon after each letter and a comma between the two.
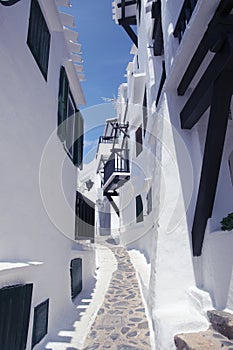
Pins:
x: 121, y: 322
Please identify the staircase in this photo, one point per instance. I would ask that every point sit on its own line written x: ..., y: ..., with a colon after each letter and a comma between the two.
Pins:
x: 218, y: 337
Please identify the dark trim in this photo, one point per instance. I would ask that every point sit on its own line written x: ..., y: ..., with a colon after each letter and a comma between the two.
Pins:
x: 76, y: 277
x: 220, y: 104
x: 184, y: 18
x: 85, y: 218
x: 113, y: 204
x: 40, y: 322
x: 9, y: 2
x: 39, y: 37
x: 212, y: 40
x: 157, y: 34
x: 127, y: 3
x: 139, y: 209
x: 199, y: 100
x: 131, y: 33
x: 194, y: 65
x: 162, y: 81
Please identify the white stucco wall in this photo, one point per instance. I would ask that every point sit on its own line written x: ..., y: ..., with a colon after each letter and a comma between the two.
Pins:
x: 181, y: 287
x: 30, y: 233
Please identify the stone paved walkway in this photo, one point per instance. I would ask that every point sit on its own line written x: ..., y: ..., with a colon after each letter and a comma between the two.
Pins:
x: 121, y: 322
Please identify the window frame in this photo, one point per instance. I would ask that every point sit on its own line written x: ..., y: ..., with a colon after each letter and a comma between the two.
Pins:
x: 149, y: 201
x: 39, y: 38
x: 66, y: 122
x: 37, y: 312
x: 139, y: 140
x: 139, y: 209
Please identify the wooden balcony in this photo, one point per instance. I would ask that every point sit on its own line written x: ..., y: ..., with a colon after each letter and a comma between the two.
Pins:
x: 116, y: 171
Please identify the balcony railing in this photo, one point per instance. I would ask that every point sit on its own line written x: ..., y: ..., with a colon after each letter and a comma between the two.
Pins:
x: 125, y: 10
x: 107, y: 139
x: 184, y: 18
x: 116, y: 164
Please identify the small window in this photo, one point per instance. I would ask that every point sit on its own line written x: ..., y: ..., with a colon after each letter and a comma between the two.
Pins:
x: 149, y: 201
x: 70, y: 122
x: 40, y: 322
x: 139, y: 209
x: 230, y: 162
x: 145, y: 116
x: 76, y: 276
x: 138, y: 137
x: 38, y: 39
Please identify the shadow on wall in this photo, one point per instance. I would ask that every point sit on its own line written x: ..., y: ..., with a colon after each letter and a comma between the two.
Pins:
x: 217, y: 262
x: 72, y: 327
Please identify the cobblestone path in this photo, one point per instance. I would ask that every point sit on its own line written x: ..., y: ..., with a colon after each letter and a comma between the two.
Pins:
x: 121, y: 322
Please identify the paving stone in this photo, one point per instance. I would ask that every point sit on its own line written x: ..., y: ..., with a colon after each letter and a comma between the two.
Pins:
x: 127, y: 347
x: 122, y: 316
x: 142, y: 309
x: 132, y: 334
x: 143, y: 325
x: 100, y: 312
x: 124, y: 330
x: 222, y: 322
x: 136, y: 319
x: 201, y: 341
x: 92, y: 347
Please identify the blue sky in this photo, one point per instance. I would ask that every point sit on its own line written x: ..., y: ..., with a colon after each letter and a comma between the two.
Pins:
x: 106, y: 53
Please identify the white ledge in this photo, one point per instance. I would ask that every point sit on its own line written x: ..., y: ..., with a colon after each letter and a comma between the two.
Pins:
x: 8, y: 265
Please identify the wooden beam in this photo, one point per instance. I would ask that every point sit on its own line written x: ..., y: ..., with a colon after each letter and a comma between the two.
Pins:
x: 115, y: 207
x: 131, y: 34
x: 212, y: 40
x: 217, y: 126
x: 195, y: 106
x: 225, y: 6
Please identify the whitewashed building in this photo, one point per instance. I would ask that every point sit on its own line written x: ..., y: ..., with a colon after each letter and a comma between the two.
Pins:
x: 177, y: 185
x: 40, y: 155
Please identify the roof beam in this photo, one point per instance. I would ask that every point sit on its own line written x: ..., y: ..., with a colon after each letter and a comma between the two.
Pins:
x: 200, y: 100
x: 217, y: 126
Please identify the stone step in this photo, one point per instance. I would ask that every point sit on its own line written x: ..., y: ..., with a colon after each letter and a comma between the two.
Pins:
x: 222, y: 322
x: 206, y: 340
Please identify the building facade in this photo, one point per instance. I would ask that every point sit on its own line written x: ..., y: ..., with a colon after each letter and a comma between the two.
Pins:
x: 177, y: 185
x: 41, y: 153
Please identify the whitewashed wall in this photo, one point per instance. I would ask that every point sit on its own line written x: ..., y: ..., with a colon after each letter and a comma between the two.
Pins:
x: 181, y: 287
x: 29, y: 235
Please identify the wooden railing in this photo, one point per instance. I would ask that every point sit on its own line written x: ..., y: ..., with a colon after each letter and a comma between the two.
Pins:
x: 116, y: 163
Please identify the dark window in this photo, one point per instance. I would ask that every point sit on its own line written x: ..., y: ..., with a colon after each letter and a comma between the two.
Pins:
x: 70, y: 121
x: 149, y: 201
x: 40, y: 322
x: 145, y: 116
x: 62, y: 103
x: 138, y: 137
x: 15, y: 305
x: 38, y: 38
x: 78, y: 140
x: 85, y: 218
x: 76, y: 276
x: 139, y: 209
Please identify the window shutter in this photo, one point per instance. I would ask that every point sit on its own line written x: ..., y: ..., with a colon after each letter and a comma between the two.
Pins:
x: 76, y: 276
x: 62, y: 103
x: 139, y: 209
x: 78, y: 140
x: 40, y: 322
x: 38, y: 39
x: 15, y: 305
